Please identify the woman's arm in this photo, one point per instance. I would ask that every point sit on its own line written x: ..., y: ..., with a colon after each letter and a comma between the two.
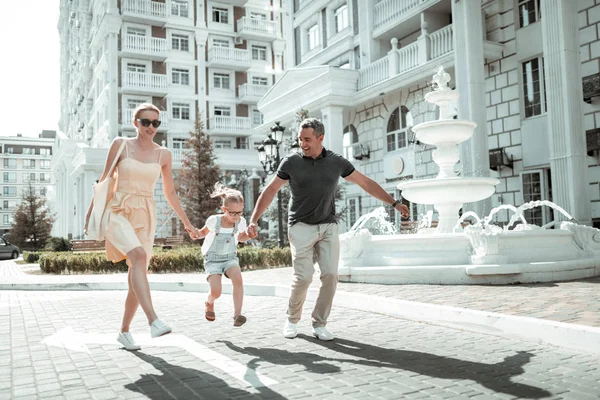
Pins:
x: 110, y: 157
x: 171, y: 194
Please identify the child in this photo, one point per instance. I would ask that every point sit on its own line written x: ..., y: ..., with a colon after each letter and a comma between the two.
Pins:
x: 222, y: 233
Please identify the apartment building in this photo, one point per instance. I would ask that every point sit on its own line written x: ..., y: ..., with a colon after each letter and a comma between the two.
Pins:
x: 527, y: 72
x: 25, y: 165
x: 211, y: 60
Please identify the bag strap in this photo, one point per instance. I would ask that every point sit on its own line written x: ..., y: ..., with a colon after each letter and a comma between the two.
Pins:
x: 114, y: 163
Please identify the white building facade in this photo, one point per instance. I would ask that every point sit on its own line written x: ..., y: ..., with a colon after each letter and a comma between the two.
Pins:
x: 185, y: 56
x: 26, y: 165
x: 527, y: 72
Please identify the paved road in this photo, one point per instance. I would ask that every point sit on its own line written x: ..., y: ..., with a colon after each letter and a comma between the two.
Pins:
x: 60, y: 345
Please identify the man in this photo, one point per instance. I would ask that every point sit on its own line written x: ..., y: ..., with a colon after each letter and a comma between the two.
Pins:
x: 313, y: 231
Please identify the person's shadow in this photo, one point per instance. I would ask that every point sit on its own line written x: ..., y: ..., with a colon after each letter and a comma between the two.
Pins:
x: 496, y: 377
x: 311, y: 362
x: 187, y: 383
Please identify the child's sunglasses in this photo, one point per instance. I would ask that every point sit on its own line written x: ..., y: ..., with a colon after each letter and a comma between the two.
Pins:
x: 146, y: 122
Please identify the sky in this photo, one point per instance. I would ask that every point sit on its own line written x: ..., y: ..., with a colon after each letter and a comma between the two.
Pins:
x: 29, y: 67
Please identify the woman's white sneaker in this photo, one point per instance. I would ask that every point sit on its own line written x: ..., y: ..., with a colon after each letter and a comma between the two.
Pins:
x: 322, y: 333
x: 159, y: 328
x: 127, y: 341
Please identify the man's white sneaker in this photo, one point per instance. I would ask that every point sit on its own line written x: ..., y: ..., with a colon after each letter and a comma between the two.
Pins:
x: 159, y: 328
x: 290, y: 330
x: 322, y: 333
x: 127, y: 341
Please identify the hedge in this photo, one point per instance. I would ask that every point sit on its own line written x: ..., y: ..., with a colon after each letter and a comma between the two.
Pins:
x: 181, y: 259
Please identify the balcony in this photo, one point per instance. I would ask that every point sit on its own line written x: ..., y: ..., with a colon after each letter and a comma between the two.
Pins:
x: 147, y: 47
x: 144, y: 11
x: 251, y: 94
x: 405, y: 15
x: 127, y: 120
x: 237, y: 159
x: 229, y: 58
x: 257, y: 29
x: 230, y: 126
x: 142, y: 83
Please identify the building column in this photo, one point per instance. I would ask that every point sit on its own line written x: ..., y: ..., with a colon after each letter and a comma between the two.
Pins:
x: 112, y: 106
x: 278, y: 50
x: 564, y: 97
x: 201, y: 41
x: 333, y: 120
x: 469, y: 77
x: 369, y: 48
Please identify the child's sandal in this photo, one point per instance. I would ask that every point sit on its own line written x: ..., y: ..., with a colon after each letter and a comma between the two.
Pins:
x: 209, y: 312
x: 239, y: 320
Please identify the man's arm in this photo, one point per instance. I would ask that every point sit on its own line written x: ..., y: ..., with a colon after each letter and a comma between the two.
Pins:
x: 373, y: 188
x: 265, y: 198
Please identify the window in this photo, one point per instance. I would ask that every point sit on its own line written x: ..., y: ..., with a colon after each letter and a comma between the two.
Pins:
x: 180, y: 42
x: 341, y: 18
x: 179, y: 8
x: 10, y: 191
x: 534, y: 189
x: 10, y: 163
x: 45, y: 152
x: 220, y: 43
x: 220, y: 15
x: 313, y: 37
x: 179, y: 144
x: 5, y: 221
x: 43, y: 191
x: 5, y: 204
x: 260, y: 81
x: 136, y: 31
x: 29, y: 177
x: 354, y: 210
x: 241, y: 143
x: 10, y: 150
x: 10, y: 177
x: 181, y: 76
x: 45, y: 164
x: 222, y: 144
x: 529, y: 12
x: 132, y: 103
x: 28, y: 150
x: 534, y: 87
x: 259, y: 52
x: 349, y: 138
x: 260, y: 16
x: 221, y: 81
x: 44, y: 177
x: 181, y: 111
x: 28, y: 164
x: 136, y: 68
x: 29, y: 191
x: 257, y: 117
x: 397, y: 128
x: 222, y: 111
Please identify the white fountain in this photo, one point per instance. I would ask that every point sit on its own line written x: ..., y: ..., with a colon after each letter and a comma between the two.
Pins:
x: 481, y: 254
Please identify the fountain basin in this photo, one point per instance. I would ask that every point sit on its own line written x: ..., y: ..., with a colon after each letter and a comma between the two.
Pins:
x: 455, y: 189
x: 444, y: 132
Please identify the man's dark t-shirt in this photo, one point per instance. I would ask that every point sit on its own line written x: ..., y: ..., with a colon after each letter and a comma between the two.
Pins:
x: 313, y: 183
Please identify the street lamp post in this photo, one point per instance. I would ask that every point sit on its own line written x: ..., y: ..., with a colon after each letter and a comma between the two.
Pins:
x: 269, y: 157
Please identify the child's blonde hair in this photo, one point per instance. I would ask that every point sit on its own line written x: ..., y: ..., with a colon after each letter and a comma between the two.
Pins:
x: 227, y: 194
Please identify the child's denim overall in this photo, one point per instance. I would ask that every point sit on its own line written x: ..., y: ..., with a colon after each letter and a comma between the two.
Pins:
x: 222, y: 253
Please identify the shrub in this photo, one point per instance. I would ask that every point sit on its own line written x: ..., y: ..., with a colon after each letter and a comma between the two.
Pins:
x: 31, y: 257
x: 58, y: 244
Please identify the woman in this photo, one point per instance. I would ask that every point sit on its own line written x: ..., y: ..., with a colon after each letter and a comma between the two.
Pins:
x: 132, y: 218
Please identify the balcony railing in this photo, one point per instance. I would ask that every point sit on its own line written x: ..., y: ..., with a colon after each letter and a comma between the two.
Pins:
x: 255, y: 25
x: 229, y: 124
x: 144, y: 7
x: 128, y: 118
x: 390, y: 10
x: 228, y: 55
x: 252, y: 92
x: 144, y: 44
x: 428, y: 47
x: 143, y: 81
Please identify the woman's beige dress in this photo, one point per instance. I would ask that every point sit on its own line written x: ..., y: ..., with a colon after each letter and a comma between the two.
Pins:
x: 132, y: 218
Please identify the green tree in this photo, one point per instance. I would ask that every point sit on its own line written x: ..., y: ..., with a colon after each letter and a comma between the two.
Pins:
x: 32, y: 222
x: 197, y: 177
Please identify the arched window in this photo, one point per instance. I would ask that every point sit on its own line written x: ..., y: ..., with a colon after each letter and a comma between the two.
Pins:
x: 349, y: 139
x: 397, y: 127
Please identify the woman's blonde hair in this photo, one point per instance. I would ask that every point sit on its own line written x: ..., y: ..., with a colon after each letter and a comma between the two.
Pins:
x: 227, y: 194
x: 144, y: 107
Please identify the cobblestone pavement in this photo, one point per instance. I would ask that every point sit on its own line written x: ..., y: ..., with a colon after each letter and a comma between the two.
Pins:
x: 576, y: 302
x: 56, y: 345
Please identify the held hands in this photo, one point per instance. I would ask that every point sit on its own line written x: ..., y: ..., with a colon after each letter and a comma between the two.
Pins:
x: 402, y: 209
x: 193, y: 232
x: 252, y: 230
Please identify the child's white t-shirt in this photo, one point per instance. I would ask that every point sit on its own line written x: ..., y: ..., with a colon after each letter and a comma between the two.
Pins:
x: 211, y: 224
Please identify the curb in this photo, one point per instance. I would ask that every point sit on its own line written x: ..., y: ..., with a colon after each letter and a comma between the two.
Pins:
x: 577, y: 337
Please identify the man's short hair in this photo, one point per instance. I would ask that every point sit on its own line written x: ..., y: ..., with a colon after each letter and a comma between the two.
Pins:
x: 314, y: 123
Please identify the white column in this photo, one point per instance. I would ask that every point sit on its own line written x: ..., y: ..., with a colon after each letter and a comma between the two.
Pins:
x: 333, y: 120
x: 470, y: 83
x: 369, y: 48
x: 114, y: 26
x: 201, y: 41
x: 278, y: 51
x: 564, y: 96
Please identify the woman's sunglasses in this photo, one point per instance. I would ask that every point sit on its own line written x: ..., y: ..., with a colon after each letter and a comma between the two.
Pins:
x: 146, y: 122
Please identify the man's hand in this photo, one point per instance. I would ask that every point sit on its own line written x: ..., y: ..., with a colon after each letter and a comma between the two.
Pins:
x: 253, y: 230
x: 403, y: 209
